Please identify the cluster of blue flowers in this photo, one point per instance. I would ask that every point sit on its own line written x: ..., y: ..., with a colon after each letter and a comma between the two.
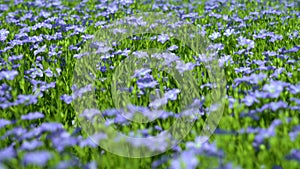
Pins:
x: 257, y: 43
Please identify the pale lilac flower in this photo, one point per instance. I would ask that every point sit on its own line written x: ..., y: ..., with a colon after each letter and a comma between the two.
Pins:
x: 159, y: 143
x: 172, y: 48
x: 90, y: 113
x: 31, y: 145
x: 292, y: 50
x: 245, y: 42
x: 158, y: 103
x: 249, y: 100
x: 88, y: 143
x: 97, y: 137
x: 140, y: 54
x: 294, y: 155
x: 172, y: 94
x: 186, y: 160
x: 3, y: 34
x: 273, y: 89
x: 51, y: 127
x: 15, y: 58
x: 119, y: 119
x: 264, y: 133
x: 296, y: 100
x: 100, y: 23
x: 4, y: 122
x: 9, y: 74
x: 182, y: 67
x: 276, y: 38
x: 66, y: 98
x: 79, y: 92
x: 3, y: 7
x: 41, y: 25
x: 146, y: 82
x: 67, y: 164
x: 34, y: 72
x: 228, y: 32
x: 27, y: 99
x: 63, y: 139
x: 48, y: 72
x: 15, y: 132
x: 38, y: 158
x: 163, y: 38
x: 270, y: 53
x: 141, y: 72
x: 32, y: 116
x: 278, y: 71
x: 277, y: 105
x: 91, y: 165
x: 215, y: 35
x: 216, y: 46
x: 40, y: 50
x: 294, y: 133
x: 225, y: 59
x: 244, y: 70
x: 7, y: 153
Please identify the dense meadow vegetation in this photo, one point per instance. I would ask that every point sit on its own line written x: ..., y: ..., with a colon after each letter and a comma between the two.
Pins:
x: 256, y: 48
